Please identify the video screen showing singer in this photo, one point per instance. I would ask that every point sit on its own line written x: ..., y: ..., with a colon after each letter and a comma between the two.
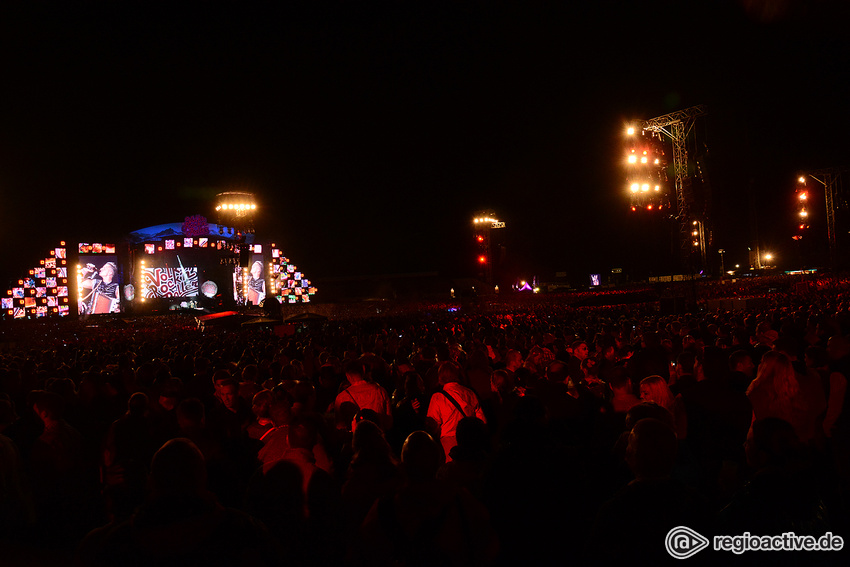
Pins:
x: 102, y: 296
x: 256, y: 284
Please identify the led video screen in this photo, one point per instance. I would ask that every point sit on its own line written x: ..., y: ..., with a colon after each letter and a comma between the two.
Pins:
x: 98, y: 282
x: 249, y: 286
x: 168, y: 277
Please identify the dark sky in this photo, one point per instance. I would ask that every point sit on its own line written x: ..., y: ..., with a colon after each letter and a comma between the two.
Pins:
x: 372, y: 132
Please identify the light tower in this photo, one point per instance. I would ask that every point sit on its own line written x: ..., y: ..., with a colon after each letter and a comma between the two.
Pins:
x: 677, y: 126
x: 830, y: 179
x: 482, y: 225
x: 237, y: 209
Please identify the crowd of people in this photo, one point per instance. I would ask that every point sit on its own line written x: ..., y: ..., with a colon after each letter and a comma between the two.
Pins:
x: 530, y: 433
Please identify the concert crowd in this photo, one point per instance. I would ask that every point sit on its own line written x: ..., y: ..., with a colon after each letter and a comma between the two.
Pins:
x: 534, y: 432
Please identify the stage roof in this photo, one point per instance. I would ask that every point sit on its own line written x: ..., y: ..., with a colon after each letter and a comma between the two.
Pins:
x: 161, y: 231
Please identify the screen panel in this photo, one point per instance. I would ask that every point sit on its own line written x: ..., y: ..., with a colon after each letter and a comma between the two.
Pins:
x: 98, y: 284
x: 168, y: 281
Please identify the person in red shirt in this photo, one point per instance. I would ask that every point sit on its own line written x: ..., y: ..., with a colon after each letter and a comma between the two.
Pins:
x: 363, y: 395
x: 451, y: 404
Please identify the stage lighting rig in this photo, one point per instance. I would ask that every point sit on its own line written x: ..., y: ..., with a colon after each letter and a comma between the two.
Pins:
x: 646, y: 172
x: 236, y: 209
x: 676, y: 126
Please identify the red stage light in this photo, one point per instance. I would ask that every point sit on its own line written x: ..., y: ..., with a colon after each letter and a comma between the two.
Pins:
x: 482, y: 259
x: 480, y: 238
x: 649, y: 207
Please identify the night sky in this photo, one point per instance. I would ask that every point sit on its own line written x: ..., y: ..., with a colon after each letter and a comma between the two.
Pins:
x: 372, y: 132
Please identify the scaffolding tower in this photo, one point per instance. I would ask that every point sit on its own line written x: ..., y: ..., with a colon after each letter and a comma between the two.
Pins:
x: 677, y: 126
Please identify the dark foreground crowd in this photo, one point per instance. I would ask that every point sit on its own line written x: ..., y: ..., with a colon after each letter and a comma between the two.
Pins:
x: 517, y: 436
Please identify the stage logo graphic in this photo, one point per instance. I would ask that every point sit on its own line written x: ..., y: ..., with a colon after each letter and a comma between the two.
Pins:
x: 170, y: 282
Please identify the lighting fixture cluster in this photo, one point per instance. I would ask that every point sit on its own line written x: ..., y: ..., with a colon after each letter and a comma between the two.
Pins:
x: 802, y: 206
x: 236, y: 207
x: 646, y: 173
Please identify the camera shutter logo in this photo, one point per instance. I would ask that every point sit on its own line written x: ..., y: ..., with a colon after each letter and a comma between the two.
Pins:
x: 683, y: 542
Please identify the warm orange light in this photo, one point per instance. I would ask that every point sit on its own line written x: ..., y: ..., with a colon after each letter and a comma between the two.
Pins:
x: 482, y: 259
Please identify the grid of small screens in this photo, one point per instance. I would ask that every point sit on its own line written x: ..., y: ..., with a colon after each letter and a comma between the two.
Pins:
x: 187, y: 242
x: 99, y: 279
x: 289, y: 284
x: 43, y: 292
